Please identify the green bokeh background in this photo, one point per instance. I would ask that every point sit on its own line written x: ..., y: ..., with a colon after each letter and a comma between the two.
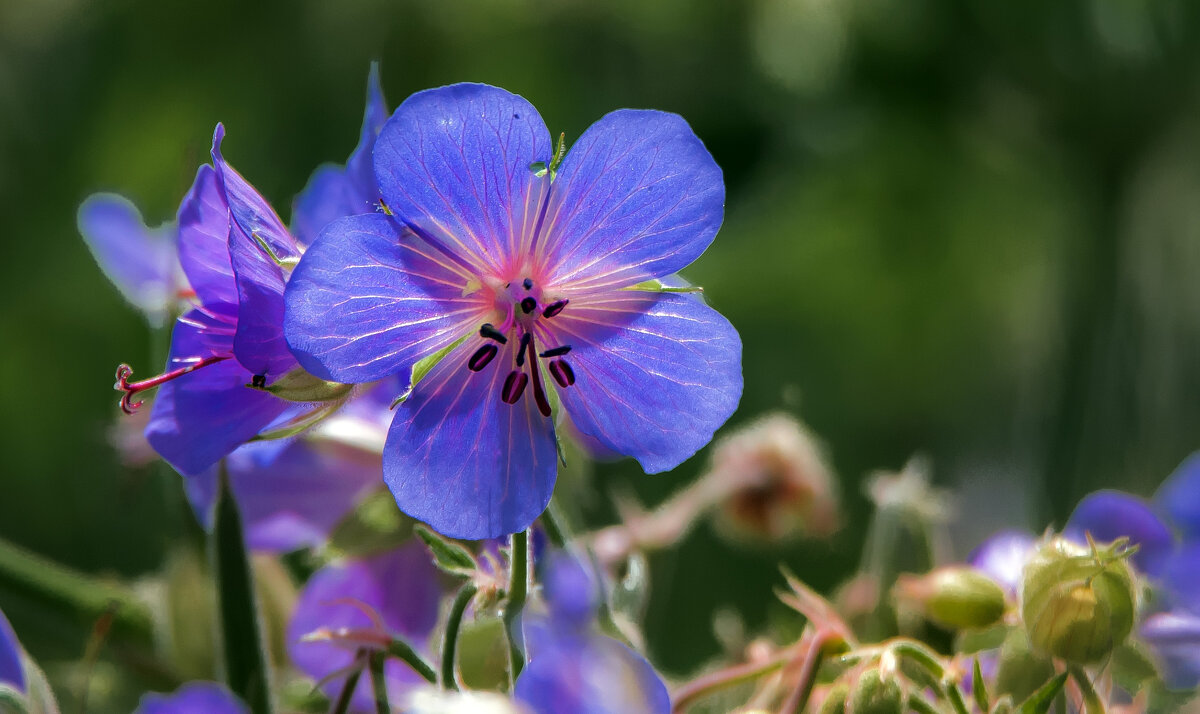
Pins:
x: 965, y: 228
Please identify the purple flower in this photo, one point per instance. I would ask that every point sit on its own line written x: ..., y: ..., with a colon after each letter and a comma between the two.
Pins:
x: 1108, y: 515
x: 193, y: 698
x: 141, y: 262
x: 1179, y: 497
x: 361, y: 604
x: 527, y: 284
x: 573, y: 670
x: 12, y: 671
x: 1175, y: 637
x: 1002, y: 557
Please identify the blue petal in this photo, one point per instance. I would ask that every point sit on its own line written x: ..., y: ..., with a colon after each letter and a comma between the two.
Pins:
x: 589, y: 675
x: 401, y: 586
x: 656, y: 373
x: 333, y: 191
x: 1003, y: 556
x: 1179, y: 496
x: 365, y: 303
x: 139, y: 261
x: 193, y: 698
x: 453, y: 163
x: 637, y: 197
x: 291, y: 494
x: 463, y: 461
x: 259, y: 344
x: 202, y: 416
x: 12, y: 672
x: 204, y: 240
x: 1175, y: 638
x: 1109, y: 515
x: 1181, y: 577
x: 571, y: 591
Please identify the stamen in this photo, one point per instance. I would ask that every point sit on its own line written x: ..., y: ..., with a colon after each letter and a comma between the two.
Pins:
x: 539, y: 394
x: 554, y: 308
x: 556, y: 351
x: 563, y: 374
x: 514, y: 387
x: 259, y: 381
x: 526, y: 338
x: 528, y: 305
x: 482, y: 357
x: 124, y: 372
x: 489, y: 331
x: 528, y: 284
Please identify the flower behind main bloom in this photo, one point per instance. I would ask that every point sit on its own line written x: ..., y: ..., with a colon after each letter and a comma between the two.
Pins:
x: 535, y: 283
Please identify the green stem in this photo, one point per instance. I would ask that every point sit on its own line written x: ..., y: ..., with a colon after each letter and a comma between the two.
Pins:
x: 342, y: 705
x: 450, y: 642
x: 706, y: 684
x: 1092, y: 704
x: 553, y: 522
x: 379, y: 683
x: 403, y: 651
x: 808, y: 674
x: 518, y: 590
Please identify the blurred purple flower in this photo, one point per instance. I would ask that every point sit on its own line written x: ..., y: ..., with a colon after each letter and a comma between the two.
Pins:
x: 1002, y: 557
x: 488, y: 259
x: 574, y: 670
x: 12, y: 671
x: 1179, y: 497
x: 193, y: 698
x: 141, y: 262
x: 1175, y: 637
x: 1108, y: 515
x: 362, y: 603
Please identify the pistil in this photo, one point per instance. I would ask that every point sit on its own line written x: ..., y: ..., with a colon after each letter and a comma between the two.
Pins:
x: 124, y: 372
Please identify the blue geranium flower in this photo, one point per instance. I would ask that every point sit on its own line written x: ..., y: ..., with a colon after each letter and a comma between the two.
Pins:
x: 574, y: 670
x: 543, y: 295
x: 12, y: 671
x: 193, y: 698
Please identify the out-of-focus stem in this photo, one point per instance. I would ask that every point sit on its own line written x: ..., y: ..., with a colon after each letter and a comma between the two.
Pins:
x: 706, y: 684
x: 343, y: 701
x: 404, y: 652
x: 450, y: 642
x: 813, y: 654
x: 518, y: 590
x: 375, y: 659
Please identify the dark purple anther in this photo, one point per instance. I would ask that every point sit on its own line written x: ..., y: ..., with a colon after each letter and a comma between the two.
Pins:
x: 563, y: 374
x: 556, y: 351
x: 554, y: 308
x: 526, y: 338
x: 259, y: 381
x: 482, y: 357
x: 489, y: 331
x: 528, y: 284
x: 528, y: 305
x: 514, y: 387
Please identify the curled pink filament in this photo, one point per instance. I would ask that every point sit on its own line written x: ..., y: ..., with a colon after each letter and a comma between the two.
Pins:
x: 124, y: 372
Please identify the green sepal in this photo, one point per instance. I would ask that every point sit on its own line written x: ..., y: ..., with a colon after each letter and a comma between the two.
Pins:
x: 979, y: 687
x: 540, y: 168
x: 448, y: 556
x: 285, y: 263
x: 300, y: 423
x: 299, y: 385
x: 12, y: 701
x: 423, y: 367
x: 1040, y: 701
x: 376, y: 525
x: 237, y: 605
x: 657, y: 286
x: 1132, y: 666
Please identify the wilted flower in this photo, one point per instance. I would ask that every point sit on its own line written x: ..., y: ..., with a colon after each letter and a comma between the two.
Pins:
x: 193, y: 698
x: 530, y: 294
x: 361, y: 604
x: 779, y: 483
x: 574, y: 670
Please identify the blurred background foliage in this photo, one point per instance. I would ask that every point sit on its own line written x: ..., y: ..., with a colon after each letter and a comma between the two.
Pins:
x: 965, y: 228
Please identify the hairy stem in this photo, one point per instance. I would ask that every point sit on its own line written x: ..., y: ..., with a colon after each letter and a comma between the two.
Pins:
x: 450, y: 642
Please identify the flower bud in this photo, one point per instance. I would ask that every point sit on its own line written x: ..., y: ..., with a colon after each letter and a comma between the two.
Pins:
x: 777, y: 482
x: 835, y: 699
x: 954, y: 597
x: 1078, y: 603
x: 876, y: 693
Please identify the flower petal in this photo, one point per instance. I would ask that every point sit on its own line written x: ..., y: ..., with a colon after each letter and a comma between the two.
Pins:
x: 202, y: 416
x: 337, y: 191
x: 463, y: 461
x: 12, y: 672
x: 365, y: 303
x: 1181, y: 577
x: 1003, y: 556
x: 259, y: 344
x: 1175, y: 638
x: 204, y: 240
x: 1179, y: 496
x: 291, y: 494
x: 453, y: 164
x: 656, y: 374
x: 401, y: 586
x: 1108, y: 515
x: 193, y: 698
x: 637, y: 197
x: 139, y: 261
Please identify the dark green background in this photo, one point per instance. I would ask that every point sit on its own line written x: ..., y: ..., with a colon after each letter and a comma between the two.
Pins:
x: 966, y: 228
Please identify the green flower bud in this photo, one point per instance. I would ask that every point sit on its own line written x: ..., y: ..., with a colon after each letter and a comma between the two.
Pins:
x: 875, y: 693
x: 835, y: 699
x: 954, y: 597
x: 1078, y: 603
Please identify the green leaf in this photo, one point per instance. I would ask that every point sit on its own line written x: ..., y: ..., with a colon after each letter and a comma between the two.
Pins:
x: 1132, y: 666
x: 448, y: 556
x: 300, y: 386
x: 423, y: 366
x: 657, y: 286
x: 374, y: 526
x: 979, y: 687
x: 237, y: 605
x: 1040, y: 701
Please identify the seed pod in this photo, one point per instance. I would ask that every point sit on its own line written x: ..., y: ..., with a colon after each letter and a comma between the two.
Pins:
x: 1078, y: 603
x: 875, y: 693
x: 835, y: 699
x: 954, y: 597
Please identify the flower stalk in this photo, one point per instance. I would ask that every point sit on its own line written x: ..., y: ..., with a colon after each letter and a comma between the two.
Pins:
x: 450, y: 642
x: 518, y: 591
